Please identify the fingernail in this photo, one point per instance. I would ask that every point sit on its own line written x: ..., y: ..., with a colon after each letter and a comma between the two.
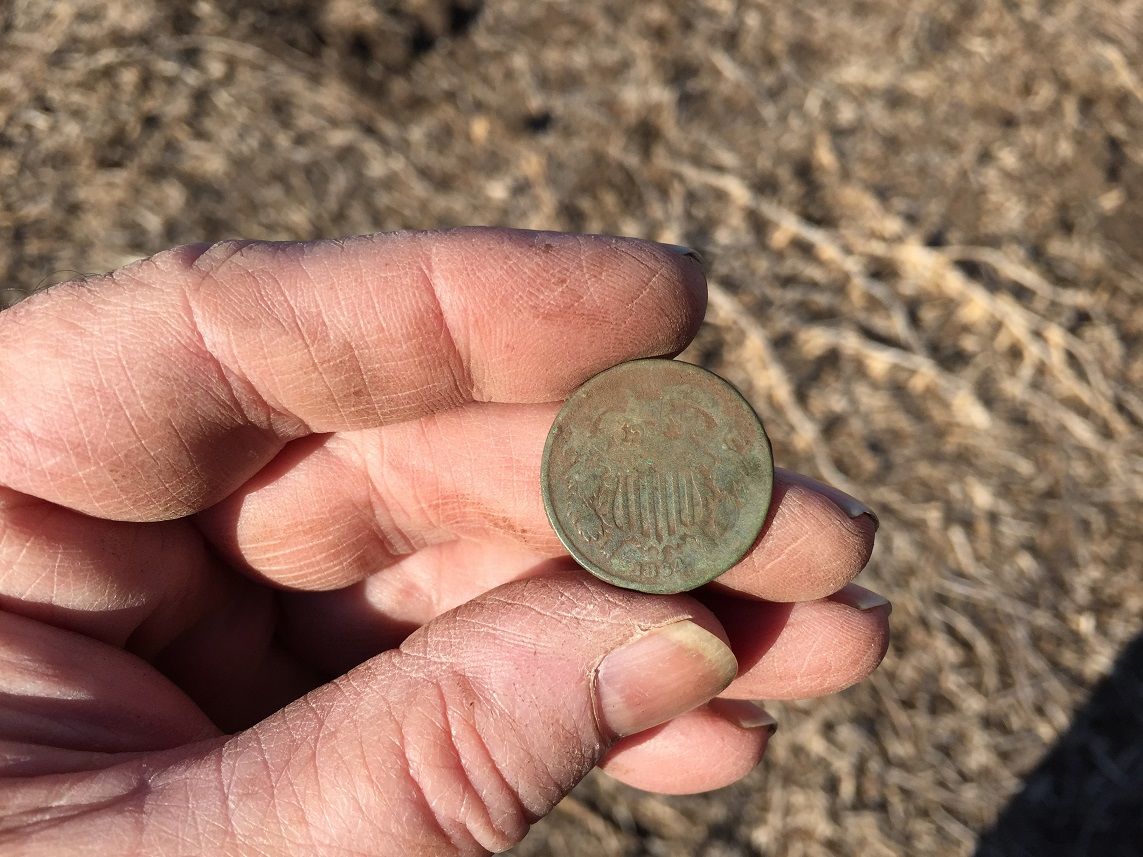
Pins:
x: 852, y: 507
x: 748, y: 715
x: 860, y: 598
x: 683, y: 250
x: 660, y: 675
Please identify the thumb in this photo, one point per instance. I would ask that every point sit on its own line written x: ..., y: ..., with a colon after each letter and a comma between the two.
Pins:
x: 476, y: 726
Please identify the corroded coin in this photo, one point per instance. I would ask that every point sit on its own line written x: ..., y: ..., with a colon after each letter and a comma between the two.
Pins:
x: 657, y: 475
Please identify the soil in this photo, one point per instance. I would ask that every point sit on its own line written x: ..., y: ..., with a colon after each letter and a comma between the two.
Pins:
x: 923, y: 225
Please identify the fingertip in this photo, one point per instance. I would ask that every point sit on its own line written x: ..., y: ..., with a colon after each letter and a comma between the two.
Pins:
x: 821, y: 647
x: 708, y: 748
x: 626, y: 297
x: 811, y: 545
x: 682, y: 283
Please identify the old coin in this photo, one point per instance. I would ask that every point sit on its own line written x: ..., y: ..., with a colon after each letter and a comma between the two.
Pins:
x: 657, y: 475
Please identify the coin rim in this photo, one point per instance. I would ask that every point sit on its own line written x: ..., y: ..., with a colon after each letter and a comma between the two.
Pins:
x: 546, y: 489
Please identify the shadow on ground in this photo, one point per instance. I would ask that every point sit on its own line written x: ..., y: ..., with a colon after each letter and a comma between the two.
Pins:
x: 1086, y: 797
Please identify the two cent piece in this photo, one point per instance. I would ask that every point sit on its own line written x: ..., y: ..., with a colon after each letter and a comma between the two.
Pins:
x: 657, y: 476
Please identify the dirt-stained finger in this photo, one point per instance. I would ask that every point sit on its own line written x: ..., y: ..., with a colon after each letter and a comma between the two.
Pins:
x: 334, y: 510
x: 185, y: 374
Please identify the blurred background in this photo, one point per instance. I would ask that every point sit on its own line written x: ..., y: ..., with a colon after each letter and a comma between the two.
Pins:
x: 923, y: 225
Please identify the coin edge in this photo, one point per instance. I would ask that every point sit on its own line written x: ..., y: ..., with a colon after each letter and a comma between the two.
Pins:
x: 557, y: 525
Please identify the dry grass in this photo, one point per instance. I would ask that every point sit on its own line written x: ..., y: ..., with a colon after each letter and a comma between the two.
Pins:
x: 923, y: 225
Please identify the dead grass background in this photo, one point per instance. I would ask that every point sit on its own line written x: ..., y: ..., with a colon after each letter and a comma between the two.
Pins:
x: 924, y: 229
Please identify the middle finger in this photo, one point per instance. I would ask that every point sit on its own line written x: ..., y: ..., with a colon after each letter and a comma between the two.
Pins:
x: 333, y: 511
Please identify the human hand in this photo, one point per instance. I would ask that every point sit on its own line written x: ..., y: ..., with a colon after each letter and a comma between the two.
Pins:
x: 234, y: 478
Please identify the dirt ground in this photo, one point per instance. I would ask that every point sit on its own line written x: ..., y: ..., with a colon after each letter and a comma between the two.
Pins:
x: 924, y: 230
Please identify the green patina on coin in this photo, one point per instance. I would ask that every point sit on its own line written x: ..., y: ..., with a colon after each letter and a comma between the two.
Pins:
x: 657, y: 475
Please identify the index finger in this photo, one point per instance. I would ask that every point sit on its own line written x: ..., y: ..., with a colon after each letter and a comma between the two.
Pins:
x: 156, y: 390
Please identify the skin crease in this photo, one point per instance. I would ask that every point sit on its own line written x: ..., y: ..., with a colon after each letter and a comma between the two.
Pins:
x: 275, y: 576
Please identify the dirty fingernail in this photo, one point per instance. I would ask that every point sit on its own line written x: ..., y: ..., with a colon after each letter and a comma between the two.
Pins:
x: 852, y: 507
x: 661, y: 674
x: 748, y: 715
x: 683, y: 250
x: 860, y: 598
